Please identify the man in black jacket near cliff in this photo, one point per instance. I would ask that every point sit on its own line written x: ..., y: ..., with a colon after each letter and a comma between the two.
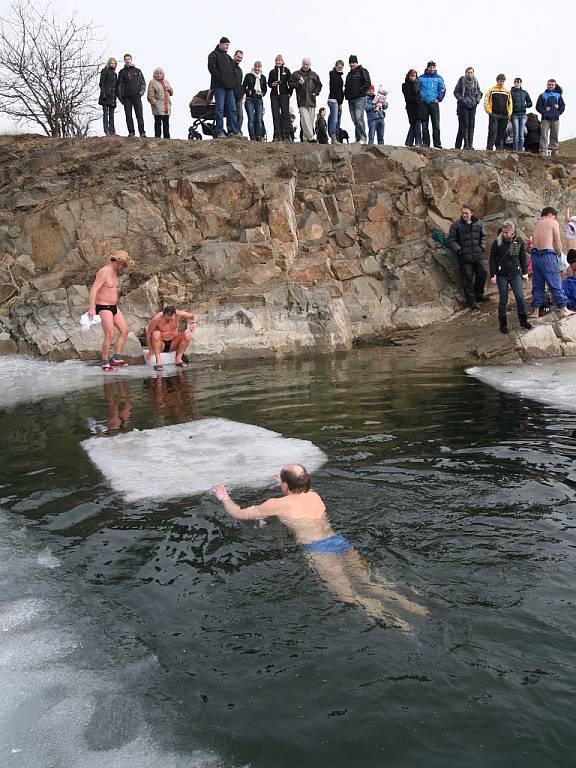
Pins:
x: 238, y: 91
x: 223, y: 79
x: 467, y: 240
x: 355, y: 90
x: 131, y: 87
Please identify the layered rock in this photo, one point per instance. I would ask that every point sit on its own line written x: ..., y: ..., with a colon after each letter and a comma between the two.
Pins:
x: 282, y: 248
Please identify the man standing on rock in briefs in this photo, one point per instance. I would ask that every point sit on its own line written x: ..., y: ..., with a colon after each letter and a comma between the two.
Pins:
x: 131, y: 88
x: 308, y: 87
x: 331, y: 555
x: 163, y: 335
x: 223, y: 79
x: 103, y: 301
x: 467, y: 240
x: 546, y: 247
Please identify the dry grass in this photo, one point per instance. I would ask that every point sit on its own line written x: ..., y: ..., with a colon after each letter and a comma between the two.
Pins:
x: 567, y: 148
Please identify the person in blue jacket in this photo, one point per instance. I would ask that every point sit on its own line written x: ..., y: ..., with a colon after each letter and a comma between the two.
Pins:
x: 432, y: 91
x: 551, y: 105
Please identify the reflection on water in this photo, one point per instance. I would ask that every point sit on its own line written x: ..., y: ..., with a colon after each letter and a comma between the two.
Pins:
x: 461, y: 495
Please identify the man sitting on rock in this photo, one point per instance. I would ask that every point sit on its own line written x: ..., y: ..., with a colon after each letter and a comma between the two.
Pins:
x: 163, y: 335
x: 103, y: 301
x: 467, y: 240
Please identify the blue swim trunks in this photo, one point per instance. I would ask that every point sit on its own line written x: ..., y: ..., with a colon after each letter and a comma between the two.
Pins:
x: 332, y: 545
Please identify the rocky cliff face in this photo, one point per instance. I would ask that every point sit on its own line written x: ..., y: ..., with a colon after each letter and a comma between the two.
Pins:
x: 282, y: 248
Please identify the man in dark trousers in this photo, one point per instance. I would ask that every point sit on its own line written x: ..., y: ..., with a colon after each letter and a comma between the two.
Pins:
x: 467, y: 240
x: 223, y: 79
x: 131, y: 88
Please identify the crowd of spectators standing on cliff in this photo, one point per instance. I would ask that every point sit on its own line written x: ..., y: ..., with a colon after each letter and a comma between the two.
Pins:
x: 510, y: 123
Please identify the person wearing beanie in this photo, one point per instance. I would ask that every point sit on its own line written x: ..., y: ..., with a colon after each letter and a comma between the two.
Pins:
x: 467, y: 94
x: 508, y: 267
x: 551, y: 105
x: 223, y: 80
x: 355, y: 90
x: 432, y: 91
x: 376, y: 104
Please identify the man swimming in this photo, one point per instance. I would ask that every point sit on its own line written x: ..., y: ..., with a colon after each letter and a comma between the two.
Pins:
x: 331, y: 554
x: 103, y: 301
x: 546, y: 248
x: 163, y: 335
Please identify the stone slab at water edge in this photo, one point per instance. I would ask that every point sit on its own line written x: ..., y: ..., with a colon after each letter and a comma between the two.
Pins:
x: 284, y: 249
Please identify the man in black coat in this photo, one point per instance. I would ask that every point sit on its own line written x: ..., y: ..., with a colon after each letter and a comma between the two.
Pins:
x: 355, y: 90
x: 467, y: 240
x: 223, y: 79
x: 131, y: 87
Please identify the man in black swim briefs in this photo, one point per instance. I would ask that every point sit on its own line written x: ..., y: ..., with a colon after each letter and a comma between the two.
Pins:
x: 164, y: 335
x: 103, y: 301
x: 333, y: 558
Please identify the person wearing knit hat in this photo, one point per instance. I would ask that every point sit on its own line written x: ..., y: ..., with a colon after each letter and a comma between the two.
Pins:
x: 103, y: 301
x: 432, y: 91
x: 355, y: 90
x: 375, y: 106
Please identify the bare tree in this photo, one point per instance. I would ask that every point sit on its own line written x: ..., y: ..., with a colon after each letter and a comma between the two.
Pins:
x: 48, y: 70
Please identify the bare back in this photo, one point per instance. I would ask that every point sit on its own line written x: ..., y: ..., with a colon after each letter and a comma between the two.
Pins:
x: 547, y: 235
x: 303, y: 513
x: 107, y: 281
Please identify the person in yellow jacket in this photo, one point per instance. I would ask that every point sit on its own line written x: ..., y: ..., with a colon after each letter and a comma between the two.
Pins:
x: 498, y: 105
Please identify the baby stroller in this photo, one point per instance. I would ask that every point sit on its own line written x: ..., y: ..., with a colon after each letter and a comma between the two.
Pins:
x: 203, y: 111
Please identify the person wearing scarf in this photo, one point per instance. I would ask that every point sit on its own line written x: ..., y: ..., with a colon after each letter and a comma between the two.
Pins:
x: 254, y: 89
x: 158, y: 95
x: 468, y: 95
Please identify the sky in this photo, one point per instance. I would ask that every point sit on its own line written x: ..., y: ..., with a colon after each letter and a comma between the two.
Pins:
x: 491, y: 36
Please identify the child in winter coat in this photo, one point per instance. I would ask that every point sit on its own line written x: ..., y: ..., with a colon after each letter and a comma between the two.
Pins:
x: 321, y: 127
x: 375, y: 106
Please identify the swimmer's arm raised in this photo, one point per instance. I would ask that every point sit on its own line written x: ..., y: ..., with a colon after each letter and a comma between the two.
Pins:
x: 267, y: 509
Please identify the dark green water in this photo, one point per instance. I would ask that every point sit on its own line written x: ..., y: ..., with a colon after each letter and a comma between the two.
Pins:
x: 451, y: 489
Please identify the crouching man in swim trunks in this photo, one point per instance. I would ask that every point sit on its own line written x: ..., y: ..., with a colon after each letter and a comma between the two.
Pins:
x: 333, y: 558
x: 546, y: 248
x: 103, y: 301
x: 163, y: 335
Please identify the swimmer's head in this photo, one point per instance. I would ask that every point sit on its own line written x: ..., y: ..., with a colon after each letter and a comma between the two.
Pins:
x: 169, y: 311
x: 296, y: 478
x: 549, y: 211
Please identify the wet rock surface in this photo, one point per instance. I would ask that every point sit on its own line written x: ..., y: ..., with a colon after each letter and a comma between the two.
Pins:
x: 283, y: 249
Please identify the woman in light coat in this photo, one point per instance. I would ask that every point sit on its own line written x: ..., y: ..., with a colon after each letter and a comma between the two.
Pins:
x: 158, y: 95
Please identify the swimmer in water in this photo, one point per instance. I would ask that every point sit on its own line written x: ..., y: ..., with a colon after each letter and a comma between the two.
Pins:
x: 333, y: 558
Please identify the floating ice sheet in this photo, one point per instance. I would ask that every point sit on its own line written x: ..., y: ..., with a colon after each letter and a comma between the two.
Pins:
x: 552, y: 382
x: 66, y: 700
x: 187, y: 459
x: 27, y: 379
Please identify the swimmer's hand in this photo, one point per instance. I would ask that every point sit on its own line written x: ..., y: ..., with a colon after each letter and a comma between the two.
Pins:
x: 91, y: 315
x: 220, y: 492
x: 276, y: 478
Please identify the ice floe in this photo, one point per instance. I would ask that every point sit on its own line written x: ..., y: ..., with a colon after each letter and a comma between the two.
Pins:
x: 187, y: 459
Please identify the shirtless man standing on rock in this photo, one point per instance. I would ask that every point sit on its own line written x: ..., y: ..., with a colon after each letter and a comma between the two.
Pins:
x: 331, y: 555
x: 103, y: 301
x: 163, y: 335
x: 546, y: 248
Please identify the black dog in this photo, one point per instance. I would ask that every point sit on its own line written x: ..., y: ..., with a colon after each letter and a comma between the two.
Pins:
x: 343, y: 136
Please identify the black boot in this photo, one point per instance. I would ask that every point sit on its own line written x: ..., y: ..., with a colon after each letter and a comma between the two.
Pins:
x: 524, y: 322
x: 503, y: 325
